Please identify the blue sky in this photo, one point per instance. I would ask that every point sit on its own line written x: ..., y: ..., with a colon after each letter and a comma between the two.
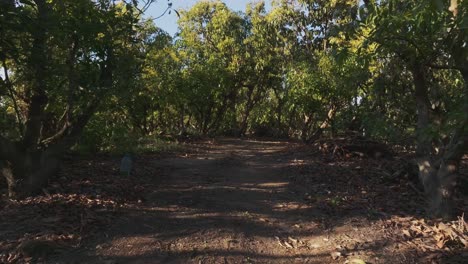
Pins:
x: 169, y: 21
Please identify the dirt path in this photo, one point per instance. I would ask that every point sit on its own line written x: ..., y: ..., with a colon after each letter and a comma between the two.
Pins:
x: 237, y: 201
x: 230, y: 204
x: 232, y: 201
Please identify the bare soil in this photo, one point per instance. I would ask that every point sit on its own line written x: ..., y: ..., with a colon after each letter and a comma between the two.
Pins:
x: 248, y: 201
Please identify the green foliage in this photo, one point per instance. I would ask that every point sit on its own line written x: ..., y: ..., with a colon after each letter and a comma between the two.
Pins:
x: 301, y: 68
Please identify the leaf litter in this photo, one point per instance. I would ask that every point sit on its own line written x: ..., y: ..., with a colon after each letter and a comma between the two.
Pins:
x: 88, y: 196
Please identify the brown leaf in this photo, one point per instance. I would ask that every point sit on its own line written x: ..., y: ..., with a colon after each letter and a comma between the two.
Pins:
x: 406, y: 233
x: 417, y: 230
x: 335, y: 255
x: 288, y: 245
x: 441, y: 243
x: 444, y: 227
x: 294, y: 241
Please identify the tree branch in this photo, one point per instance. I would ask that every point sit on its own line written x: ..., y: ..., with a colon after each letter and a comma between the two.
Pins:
x: 68, y: 135
x: 57, y: 135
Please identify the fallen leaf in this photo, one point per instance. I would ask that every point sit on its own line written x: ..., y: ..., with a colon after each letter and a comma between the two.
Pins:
x: 288, y: 245
x: 441, y: 243
x: 406, y: 233
x: 293, y: 240
x: 335, y: 255
x: 355, y: 261
x: 315, y: 245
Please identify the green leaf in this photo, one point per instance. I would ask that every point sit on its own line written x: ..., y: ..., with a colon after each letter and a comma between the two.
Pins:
x: 437, y: 5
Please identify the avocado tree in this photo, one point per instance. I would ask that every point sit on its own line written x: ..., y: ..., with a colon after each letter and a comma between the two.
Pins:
x: 60, y: 60
x: 429, y: 38
x: 211, y: 37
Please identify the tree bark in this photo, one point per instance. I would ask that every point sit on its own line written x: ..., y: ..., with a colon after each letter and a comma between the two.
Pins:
x: 424, y: 147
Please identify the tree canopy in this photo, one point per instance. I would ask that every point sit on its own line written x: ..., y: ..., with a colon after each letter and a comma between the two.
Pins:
x: 97, y: 75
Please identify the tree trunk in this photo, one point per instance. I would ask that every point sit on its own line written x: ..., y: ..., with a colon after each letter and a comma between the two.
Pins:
x: 27, y: 170
x: 28, y: 173
x: 441, y: 203
x: 248, y: 108
x: 38, y: 64
x: 279, y: 117
x: 428, y: 172
x: 306, y: 127
x: 439, y: 180
x: 438, y: 175
x: 318, y: 133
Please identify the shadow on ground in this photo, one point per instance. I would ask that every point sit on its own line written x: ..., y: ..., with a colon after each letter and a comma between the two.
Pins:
x: 247, y: 201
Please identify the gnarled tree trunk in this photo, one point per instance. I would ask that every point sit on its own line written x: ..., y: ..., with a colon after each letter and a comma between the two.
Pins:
x: 27, y: 169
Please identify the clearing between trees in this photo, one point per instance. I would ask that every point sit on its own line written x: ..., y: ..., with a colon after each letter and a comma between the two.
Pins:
x: 231, y: 201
